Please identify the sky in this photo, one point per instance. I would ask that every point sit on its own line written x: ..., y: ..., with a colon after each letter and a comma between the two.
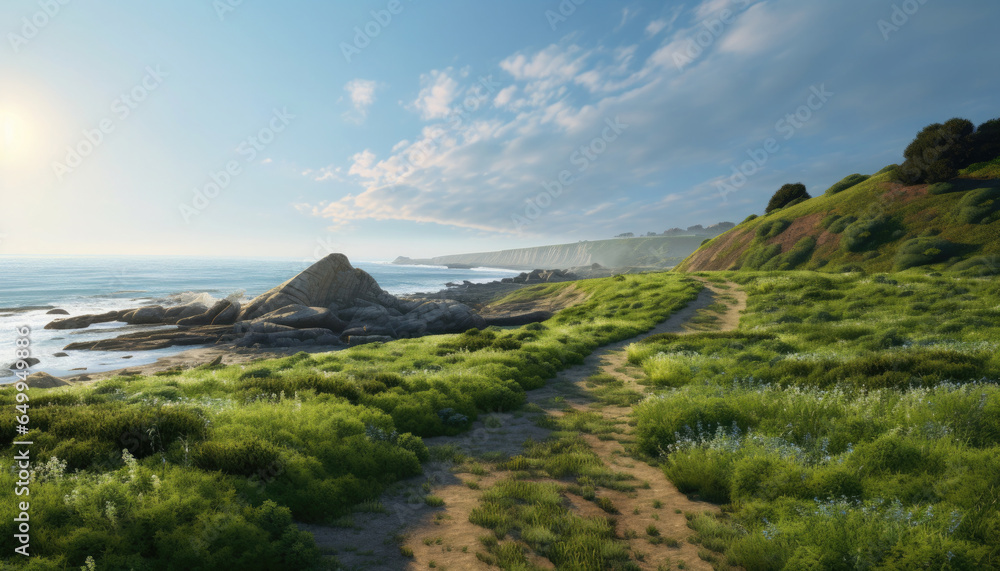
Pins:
x: 408, y: 127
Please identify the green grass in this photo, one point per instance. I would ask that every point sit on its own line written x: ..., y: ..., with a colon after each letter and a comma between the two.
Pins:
x: 872, y: 226
x: 238, y: 451
x: 850, y: 421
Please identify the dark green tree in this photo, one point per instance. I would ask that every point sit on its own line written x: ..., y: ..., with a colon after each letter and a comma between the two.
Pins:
x: 937, y: 153
x: 986, y: 142
x: 786, y: 195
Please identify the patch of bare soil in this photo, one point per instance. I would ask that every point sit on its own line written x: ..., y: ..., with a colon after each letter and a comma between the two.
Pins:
x: 411, y: 535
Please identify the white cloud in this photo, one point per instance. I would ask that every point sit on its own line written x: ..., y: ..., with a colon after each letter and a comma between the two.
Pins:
x: 362, y: 94
x: 655, y: 27
x: 505, y: 95
x: 438, y: 92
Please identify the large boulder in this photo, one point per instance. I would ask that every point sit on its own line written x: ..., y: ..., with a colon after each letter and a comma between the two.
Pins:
x: 176, y: 313
x: 145, y: 316
x: 302, y: 317
x: 331, y: 281
x: 222, y: 313
x: 44, y: 381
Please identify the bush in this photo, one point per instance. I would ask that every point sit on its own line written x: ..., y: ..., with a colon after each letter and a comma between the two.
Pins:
x: 937, y: 153
x: 846, y: 183
x: 786, y: 195
x: 866, y: 234
x: 772, y: 228
x: 923, y: 251
x: 840, y: 224
x: 760, y: 255
x: 979, y: 206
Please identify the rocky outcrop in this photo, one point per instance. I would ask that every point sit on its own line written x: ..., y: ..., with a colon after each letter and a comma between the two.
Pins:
x: 330, y: 303
x: 84, y: 321
x: 44, y: 381
x: 57, y: 312
x: 330, y: 282
x: 542, y: 276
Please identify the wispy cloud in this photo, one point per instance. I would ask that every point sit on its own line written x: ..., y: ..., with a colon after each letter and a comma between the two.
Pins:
x: 362, y: 94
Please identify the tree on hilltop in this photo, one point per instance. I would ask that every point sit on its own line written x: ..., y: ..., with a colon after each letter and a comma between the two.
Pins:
x: 786, y: 195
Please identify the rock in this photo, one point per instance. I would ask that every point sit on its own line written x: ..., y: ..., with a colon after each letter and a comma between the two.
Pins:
x: 302, y: 317
x: 149, y: 340
x: 228, y: 315
x: 289, y: 338
x: 85, y: 321
x: 60, y: 354
x: 145, y: 316
x: 31, y: 361
x: 79, y: 369
x: 57, y: 312
x: 221, y: 311
x: 329, y: 281
x: 44, y: 381
x: 179, y: 312
x: 214, y: 362
x: 127, y: 357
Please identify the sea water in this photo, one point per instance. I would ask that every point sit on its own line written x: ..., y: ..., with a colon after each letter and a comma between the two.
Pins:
x: 32, y: 286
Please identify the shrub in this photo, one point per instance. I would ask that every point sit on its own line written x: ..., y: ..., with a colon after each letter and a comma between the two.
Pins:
x: 979, y: 206
x: 866, y: 234
x: 840, y: 224
x: 749, y: 218
x: 786, y: 195
x: 846, y: 183
x: 937, y: 153
x: 760, y: 255
x: 924, y: 251
x: 772, y: 228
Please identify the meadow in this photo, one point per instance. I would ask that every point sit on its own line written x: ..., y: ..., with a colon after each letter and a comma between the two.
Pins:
x: 851, y: 422
x: 208, y: 468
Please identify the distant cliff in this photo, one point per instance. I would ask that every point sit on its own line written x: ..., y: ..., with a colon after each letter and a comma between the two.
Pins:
x: 654, y: 251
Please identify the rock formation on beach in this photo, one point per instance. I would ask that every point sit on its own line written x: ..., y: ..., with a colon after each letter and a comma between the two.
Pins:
x: 329, y: 303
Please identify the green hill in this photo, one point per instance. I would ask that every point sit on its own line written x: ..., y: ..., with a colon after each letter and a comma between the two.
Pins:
x: 872, y: 224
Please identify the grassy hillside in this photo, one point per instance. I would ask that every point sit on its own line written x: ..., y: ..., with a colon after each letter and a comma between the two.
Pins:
x: 873, y: 225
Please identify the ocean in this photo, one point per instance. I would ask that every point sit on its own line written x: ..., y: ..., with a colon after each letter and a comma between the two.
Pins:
x: 31, y: 286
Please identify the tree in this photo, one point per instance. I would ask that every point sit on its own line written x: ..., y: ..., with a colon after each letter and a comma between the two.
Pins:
x: 986, y: 142
x: 937, y: 153
x: 786, y: 195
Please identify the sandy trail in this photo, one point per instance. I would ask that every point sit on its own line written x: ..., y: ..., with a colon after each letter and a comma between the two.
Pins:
x: 445, y: 537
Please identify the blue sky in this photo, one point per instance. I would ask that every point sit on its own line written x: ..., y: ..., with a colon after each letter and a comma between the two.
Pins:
x: 446, y: 127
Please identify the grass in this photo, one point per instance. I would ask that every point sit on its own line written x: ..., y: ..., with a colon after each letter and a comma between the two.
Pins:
x: 850, y: 419
x: 861, y: 225
x: 239, y: 451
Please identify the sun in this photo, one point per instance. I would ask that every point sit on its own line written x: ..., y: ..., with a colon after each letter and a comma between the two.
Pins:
x: 15, y: 136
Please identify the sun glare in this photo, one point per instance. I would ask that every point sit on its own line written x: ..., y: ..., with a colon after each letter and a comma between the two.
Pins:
x: 14, y: 136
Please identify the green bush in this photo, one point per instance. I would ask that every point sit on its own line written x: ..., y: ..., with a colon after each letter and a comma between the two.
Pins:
x: 841, y: 223
x: 786, y: 195
x: 772, y: 228
x: 979, y: 206
x: 867, y: 234
x: 923, y: 252
x: 848, y: 182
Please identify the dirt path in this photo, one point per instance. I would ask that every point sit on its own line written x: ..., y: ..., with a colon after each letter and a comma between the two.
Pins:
x: 443, y: 538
